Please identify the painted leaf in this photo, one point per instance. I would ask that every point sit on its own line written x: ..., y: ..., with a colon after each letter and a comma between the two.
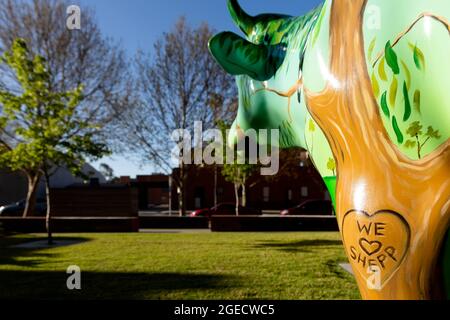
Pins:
x: 382, y: 70
x: 415, y: 129
x: 311, y: 126
x: 393, y: 92
x: 407, y: 74
x: 375, y: 86
x: 419, y: 58
x: 409, y: 144
x: 407, y: 113
x: 397, y: 131
x: 384, y: 105
x: 371, y: 48
x: 391, y: 58
x: 417, y: 101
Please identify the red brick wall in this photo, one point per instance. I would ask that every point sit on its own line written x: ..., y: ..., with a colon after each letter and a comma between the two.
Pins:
x: 94, y: 202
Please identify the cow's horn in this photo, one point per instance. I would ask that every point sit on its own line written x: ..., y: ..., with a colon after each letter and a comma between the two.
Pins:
x: 242, y: 19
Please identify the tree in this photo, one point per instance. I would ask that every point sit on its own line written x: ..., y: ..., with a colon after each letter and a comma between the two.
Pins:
x: 181, y: 84
x: 47, y: 125
x: 73, y: 57
x: 235, y: 171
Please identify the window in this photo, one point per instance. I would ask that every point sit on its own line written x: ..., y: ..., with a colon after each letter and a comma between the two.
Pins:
x: 304, y: 191
x: 266, y: 194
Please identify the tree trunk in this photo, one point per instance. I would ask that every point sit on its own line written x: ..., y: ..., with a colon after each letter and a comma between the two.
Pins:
x: 393, y: 212
x: 33, y: 180
x: 170, y: 195
x: 181, y: 195
x: 244, y: 195
x: 48, y: 221
x: 236, y: 194
x: 215, y: 185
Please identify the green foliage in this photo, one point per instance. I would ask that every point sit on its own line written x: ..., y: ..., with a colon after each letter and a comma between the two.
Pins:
x: 371, y: 48
x: 407, y: 113
x: 331, y: 165
x: 417, y: 101
x: 415, y: 129
x: 311, y: 126
x: 407, y: 74
x: 375, y: 85
x: 384, y: 105
x: 391, y: 58
x: 233, y: 171
x: 382, y: 70
x: 418, y: 56
x: 432, y: 134
x: 412, y: 100
x: 43, y: 122
x: 397, y: 130
x: 393, y: 91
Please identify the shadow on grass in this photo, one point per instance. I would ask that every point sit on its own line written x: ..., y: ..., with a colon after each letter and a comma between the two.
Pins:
x: 304, y: 246
x: 98, y: 285
x: 29, y: 257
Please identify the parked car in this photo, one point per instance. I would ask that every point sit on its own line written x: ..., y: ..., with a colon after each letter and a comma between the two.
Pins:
x: 225, y: 209
x: 310, y: 207
x: 16, y: 209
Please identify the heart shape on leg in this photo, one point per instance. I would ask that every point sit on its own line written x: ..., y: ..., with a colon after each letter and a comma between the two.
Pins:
x: 375, y: 243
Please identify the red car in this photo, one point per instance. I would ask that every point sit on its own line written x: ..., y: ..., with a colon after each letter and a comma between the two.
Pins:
x: 310, y: 207
x: 225, y: 209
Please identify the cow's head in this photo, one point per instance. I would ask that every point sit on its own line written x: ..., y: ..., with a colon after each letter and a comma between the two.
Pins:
x: 268, y: 68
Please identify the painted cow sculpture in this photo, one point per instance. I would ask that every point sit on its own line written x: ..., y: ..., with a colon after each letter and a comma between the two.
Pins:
x: 363, y: 86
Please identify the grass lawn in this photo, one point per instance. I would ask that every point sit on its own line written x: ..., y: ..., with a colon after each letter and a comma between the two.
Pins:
x: 180, y: 266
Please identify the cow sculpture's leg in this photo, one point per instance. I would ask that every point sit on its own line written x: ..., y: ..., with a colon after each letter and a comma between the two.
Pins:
x: 393, y: 212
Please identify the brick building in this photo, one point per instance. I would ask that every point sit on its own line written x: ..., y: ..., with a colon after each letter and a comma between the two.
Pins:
x: 297, y: 181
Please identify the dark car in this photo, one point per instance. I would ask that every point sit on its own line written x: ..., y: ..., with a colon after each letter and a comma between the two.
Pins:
x: 225, y: 209
x: 310, y: 207
x: 16, y: 209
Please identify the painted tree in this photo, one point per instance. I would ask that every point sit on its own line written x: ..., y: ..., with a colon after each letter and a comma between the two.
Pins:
x: 331, y: 165
x: 47, y: 125
x: 365, y: 153
x: 419, y: 138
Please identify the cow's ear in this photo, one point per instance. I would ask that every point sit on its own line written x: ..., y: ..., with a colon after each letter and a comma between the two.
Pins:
x: 238, y: 56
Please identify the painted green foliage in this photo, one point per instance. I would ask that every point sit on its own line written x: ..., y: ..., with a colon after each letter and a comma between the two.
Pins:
x: 393, y: 82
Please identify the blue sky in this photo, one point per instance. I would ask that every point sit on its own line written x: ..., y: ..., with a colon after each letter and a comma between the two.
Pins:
x: 138, y: 23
